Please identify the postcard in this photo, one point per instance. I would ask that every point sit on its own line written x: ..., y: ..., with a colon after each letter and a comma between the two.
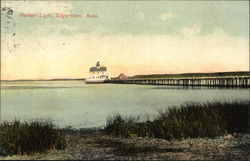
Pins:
x: 125, y: 80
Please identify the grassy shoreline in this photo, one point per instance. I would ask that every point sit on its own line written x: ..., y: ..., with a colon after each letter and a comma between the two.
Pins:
x: 29, y: 137
x: 186, y: 121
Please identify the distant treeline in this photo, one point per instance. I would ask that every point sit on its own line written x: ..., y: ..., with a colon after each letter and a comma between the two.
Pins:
x: 45, y: 80
x: 219, y: 74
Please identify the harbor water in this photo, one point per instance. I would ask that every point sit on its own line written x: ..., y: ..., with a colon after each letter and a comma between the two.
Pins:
x: 79, y: 105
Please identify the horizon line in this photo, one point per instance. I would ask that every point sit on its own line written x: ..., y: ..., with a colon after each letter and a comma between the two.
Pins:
x: 62, y: 79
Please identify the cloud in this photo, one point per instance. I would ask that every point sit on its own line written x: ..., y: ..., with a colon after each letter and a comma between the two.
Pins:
x: 57, y: 56
x: 59, y: 28
x: 38, y: 6
x: 140, y: 15
x: 190, y: 31
x: 166, y: 16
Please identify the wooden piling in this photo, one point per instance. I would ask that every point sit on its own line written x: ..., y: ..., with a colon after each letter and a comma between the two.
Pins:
x: 219, y: 81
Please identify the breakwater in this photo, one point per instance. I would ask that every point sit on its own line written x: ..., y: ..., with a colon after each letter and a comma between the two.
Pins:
x: 235, y: 81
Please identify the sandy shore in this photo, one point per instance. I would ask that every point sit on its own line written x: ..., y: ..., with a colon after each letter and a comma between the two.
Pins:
x: 92, y: 145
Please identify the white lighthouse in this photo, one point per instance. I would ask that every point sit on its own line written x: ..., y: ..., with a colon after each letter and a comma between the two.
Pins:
x: 98, y: 74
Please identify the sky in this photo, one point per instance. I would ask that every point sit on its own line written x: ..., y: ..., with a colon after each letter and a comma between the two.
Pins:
x: 130, y: 37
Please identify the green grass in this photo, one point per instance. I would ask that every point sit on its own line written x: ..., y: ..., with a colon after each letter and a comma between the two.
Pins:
x: 29, y: 137
x: 190, y: 120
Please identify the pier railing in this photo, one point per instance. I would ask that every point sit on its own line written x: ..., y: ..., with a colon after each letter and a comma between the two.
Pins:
x: 233, y: 81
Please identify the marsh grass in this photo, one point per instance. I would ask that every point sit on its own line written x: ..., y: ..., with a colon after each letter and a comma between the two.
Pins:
x: 29, y: 137
x: 190, y: 120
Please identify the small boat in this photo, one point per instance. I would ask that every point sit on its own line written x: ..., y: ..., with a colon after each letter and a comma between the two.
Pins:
x: 98, y: 74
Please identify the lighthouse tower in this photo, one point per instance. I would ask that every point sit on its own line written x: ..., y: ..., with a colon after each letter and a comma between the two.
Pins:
x: 97, y: 73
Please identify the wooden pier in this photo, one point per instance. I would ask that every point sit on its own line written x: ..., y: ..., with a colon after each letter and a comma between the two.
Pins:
x: 237, y: 81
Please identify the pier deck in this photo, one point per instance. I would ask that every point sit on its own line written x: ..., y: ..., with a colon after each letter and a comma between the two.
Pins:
x: 233, y: 81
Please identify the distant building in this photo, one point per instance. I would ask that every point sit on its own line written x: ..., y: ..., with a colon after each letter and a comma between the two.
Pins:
x: 122, y: 77
x: 98, y: 74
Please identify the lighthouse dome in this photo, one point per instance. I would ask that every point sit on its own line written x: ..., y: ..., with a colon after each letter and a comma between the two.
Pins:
x: 98, y: 68
x: 95, y: 69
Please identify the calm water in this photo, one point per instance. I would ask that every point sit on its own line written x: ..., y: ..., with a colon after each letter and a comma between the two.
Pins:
x: 80, y: 105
